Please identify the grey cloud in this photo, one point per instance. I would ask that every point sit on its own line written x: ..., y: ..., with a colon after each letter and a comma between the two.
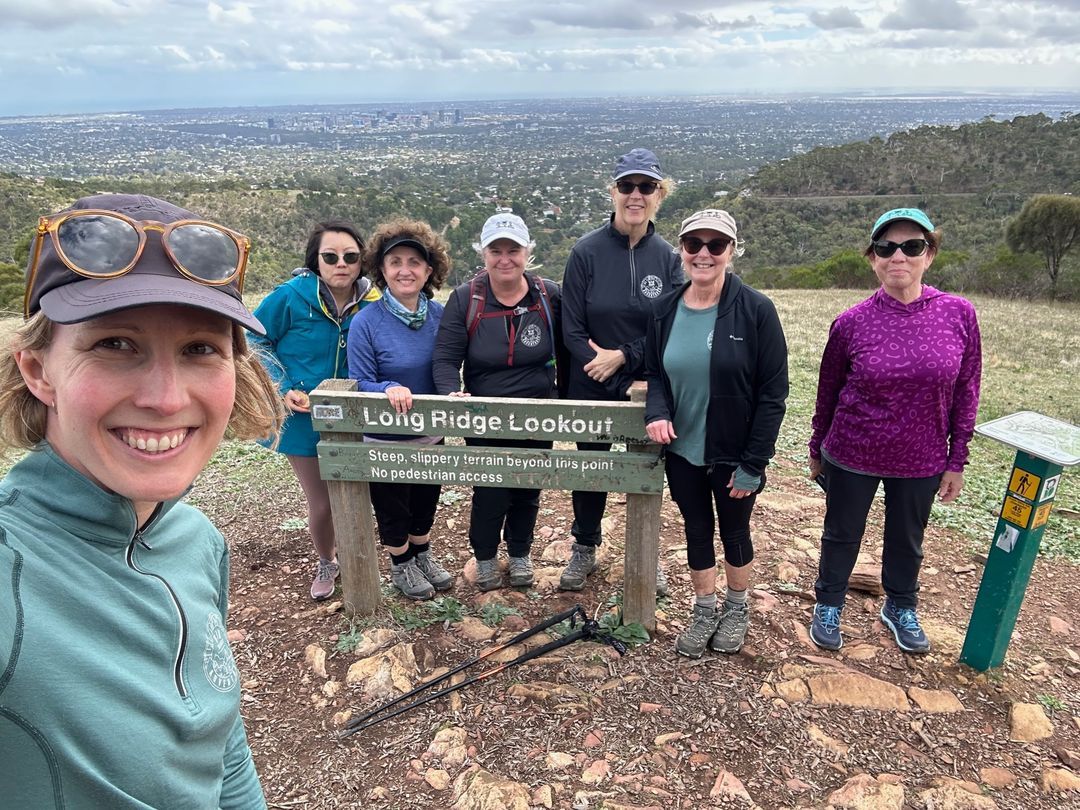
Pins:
x: 940, y: 15
x: 683, y: 20
x: 606, y: 17
x: 1066, y: 32
x: 66, y: 13
x: 836, y: 18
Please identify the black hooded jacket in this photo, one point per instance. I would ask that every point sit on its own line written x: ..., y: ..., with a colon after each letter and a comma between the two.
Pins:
x: 748, y: 375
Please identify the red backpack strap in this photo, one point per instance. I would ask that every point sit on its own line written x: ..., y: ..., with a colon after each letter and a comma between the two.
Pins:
x: 477, y: 299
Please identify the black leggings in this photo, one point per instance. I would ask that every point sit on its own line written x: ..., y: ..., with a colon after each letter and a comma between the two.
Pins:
x: 695, y: 489
x: 403, y: 509
x: 907, y: 511
x: 504, y: 512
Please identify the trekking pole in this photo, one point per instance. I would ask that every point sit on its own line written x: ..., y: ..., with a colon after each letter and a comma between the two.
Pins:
x: 567, y: 615
x: 588, y: 630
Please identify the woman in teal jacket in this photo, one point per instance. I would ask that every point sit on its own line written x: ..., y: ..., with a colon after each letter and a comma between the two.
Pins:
x: 118, y: 688
x: 307, y: 328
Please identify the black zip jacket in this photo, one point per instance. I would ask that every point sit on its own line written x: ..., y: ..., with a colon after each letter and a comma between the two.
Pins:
x: 748, y: 375
x: 486, y: 356
x: 608, y: 292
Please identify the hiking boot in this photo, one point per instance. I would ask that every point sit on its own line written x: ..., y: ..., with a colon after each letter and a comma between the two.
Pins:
x: 521, y: 572
x: 439, y: 577
x: 904, y: 623
x: 488, y: 575
x: 410, y: 580
x: 662, y: 587
x: 731, y: 632
x: 582, y: 563
x: 692, y: 642
x: 323, y: 585
x: 825, y: 627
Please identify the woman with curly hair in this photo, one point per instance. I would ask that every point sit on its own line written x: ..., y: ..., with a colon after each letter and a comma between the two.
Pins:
x: 390, y: 349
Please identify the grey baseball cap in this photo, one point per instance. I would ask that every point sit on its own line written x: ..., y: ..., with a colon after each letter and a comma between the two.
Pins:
x: 68, y: 297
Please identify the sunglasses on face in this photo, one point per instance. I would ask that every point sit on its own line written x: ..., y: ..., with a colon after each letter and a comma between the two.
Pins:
x: 106, y: 244
x: 693, y: 245
x: 646, y: 187
x: 349, y: 257
x: 883, y: 248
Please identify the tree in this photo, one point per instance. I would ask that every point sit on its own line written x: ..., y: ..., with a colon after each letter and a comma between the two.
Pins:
x: 1048, y: 224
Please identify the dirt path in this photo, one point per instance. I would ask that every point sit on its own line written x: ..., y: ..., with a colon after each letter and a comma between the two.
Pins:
x: 587, y: 729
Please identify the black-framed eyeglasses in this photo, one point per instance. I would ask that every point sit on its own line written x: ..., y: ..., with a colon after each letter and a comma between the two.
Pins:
x: 693, y: 245
x: 646, y: 187
x: 349, y: 257
x: 102, y: 244
x: 883, y: 248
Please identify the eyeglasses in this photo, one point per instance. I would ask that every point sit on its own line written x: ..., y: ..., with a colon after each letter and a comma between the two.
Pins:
x: 883, y: 249
x: 646, y: 187
x: 349, y: 257
x: 107, y: 244
x: 693, y: 245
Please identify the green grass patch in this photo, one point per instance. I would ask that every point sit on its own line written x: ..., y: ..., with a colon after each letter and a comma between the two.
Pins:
x: 1031, y: 361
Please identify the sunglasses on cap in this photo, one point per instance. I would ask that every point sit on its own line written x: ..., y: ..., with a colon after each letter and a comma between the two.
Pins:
x: 883, y: 248
x: 100, y: 244
x: 646, y: 187
x: 693, y: 245
x: 349, y: 257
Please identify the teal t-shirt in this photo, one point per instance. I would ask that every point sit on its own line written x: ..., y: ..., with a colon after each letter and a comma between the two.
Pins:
x: 686, y: 362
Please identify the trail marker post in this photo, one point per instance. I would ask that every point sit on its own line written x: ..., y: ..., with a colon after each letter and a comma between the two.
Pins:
x: 1044, y: 447
x: 347, y: 463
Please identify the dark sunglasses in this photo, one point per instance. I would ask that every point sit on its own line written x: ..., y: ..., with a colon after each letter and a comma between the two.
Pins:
x: 646, y: 187
x: 883, y: 249
x: 106, y: 244
x: 350, y: 257
x: 693, y: 245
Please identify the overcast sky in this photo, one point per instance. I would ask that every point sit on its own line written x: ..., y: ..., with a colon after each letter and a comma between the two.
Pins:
x: 84, y: 55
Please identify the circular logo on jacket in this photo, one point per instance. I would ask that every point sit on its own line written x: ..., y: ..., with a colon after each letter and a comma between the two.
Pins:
x: 531, y: 335
x: 218, y: 664
x: 651, y: 286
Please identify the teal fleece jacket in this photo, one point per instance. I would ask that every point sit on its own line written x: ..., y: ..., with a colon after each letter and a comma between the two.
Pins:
x: 117, y: 685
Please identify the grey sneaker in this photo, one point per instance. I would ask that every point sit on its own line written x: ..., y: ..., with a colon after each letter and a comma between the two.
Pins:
x: 488, y: 575
x: 434, y: 573
x: 692, y: 642
x: 582, y: 563
x: 731, y: 633
x: 521, y: 572
x: 410, y: 580
x: 322, y: 587
x: 662, y: 588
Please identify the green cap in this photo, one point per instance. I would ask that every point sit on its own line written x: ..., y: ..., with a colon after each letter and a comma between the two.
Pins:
x: 898, y: 214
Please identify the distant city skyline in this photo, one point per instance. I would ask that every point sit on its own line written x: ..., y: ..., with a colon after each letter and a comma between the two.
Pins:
x: 79, y: 56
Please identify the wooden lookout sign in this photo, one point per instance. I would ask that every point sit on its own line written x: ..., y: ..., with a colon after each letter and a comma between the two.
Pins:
x: 347, y: 463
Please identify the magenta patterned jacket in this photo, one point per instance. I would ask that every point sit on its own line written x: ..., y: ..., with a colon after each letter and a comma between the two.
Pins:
x: 898, y: 388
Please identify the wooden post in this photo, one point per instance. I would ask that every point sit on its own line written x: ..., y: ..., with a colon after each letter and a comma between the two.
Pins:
x: 350, y: 503
x: 642, y: 545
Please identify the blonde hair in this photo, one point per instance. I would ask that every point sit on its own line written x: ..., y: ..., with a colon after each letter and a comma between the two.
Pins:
x: 258, y: 411
x: 663, y: 189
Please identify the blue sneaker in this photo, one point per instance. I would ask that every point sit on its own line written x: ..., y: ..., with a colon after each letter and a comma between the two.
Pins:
x: 825, y: 628
x: 907, y: 631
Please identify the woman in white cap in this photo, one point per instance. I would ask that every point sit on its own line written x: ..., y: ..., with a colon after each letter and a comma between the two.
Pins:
x: 613, y: 276
x: 504, y: 327
x: 119, y: 688
x: 719, y: 437
x: 898, y: 391
x: 391, y: 344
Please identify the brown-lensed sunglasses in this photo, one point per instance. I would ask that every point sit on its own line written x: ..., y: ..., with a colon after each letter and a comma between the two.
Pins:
x: 100, y: 244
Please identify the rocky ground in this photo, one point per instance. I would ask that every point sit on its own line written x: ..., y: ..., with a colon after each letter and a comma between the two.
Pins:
x: 782, y: 724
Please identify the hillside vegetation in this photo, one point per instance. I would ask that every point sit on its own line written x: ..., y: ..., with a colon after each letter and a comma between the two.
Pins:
x: 803, y: 219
